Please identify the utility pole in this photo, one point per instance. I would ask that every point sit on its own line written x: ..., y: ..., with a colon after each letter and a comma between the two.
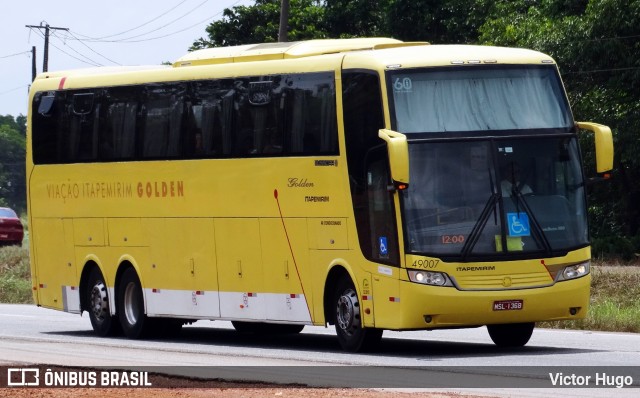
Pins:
x: 47, y: 28
x: 34, y: 69
x: 284, y: 21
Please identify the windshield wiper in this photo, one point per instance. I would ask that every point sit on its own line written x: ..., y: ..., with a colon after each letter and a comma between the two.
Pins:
x: 479, y: 225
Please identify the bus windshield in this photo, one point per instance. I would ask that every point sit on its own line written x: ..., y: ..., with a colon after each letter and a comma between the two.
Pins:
x: 496, y: 196
x: 520, y: 190
x: 475, y: 99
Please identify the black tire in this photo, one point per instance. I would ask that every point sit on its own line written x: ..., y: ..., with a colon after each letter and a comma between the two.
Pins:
x: 96, y: 297
x: 266, y: 328
x: 348, y: 321
x: 512, y: 334
x: 135, y: 323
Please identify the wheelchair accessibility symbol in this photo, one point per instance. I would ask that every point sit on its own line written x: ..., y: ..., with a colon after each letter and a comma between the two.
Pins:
x: 384, y: 251
x: 518, y: 224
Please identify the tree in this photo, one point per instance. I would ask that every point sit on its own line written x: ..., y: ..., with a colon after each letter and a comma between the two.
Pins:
x: 12, y: 164
x: 595, y: 43
x: 19, y: 123
x: 356, y: 18
x: 437, y: 21
x: 259, y: 23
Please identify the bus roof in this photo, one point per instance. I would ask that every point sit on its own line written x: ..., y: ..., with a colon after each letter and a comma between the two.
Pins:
x: 327, y: 54
x: 274, y: 51
x: 387, y: 52
x: 442, y: 55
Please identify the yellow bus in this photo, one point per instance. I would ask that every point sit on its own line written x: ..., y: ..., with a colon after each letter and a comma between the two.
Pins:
x: 370, y: 184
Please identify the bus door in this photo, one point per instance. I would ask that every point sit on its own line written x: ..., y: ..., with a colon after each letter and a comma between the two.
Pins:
x: 383, y: 235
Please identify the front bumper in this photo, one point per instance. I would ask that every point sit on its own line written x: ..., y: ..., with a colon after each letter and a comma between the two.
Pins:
x: 447, y: 307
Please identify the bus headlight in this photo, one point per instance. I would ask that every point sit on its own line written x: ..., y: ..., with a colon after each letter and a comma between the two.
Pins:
x: 429, y: 278
x: 574, y: 271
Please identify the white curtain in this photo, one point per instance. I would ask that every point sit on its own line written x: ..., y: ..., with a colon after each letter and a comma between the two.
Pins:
x: 478, y: 100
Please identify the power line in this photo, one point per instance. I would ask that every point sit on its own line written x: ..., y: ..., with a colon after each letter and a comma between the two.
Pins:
x: 90, y: 49
x: 87, y: 60
x: 85, y: 38
x: 47, y: 28
x: 14, y: 55
x: 128, y: 39
x: 134, y: 28
x: 14, y: 89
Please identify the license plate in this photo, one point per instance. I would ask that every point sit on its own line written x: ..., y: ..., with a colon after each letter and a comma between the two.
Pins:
x: 507, y: 305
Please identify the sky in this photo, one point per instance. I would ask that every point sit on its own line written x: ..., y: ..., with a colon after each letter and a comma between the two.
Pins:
x: 101, y: 33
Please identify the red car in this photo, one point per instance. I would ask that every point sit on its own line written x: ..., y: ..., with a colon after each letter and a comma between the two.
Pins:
x: 11, y: 232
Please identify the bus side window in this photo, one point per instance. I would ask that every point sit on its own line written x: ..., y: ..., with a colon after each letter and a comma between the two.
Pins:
x: 118, y: 124
x: 257, y: 115
x: 162, y: 121
x: 48, y: 127
x: 208, y: 115
x: 310, y: 114
x: 84, y: 117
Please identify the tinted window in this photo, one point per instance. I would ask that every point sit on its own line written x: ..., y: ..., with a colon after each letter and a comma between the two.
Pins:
x: 162, y: 117
x: 118, y: 128
x: 275, y: 115
x: 81, y: 142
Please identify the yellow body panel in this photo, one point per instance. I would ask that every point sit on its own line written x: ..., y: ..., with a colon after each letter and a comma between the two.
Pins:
x: 57, y: 264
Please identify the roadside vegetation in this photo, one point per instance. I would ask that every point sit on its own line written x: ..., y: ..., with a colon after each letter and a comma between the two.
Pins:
x: 614, y: 293
x: 615, y: 290
x: 15, y: 277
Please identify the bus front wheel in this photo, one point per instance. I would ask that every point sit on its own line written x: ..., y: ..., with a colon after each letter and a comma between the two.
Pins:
x: 512, y: 334
x: 353, y: 337
x: 133, y: 320
x: 97, y: 304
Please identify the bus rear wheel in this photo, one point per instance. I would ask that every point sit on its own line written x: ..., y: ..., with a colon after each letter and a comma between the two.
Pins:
x: 97, y: 304
x: 353, y: 337
x: 512, y: 334
x: 133, y: 320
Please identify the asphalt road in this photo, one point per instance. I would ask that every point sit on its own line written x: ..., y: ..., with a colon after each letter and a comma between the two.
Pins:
x: 32, y: 335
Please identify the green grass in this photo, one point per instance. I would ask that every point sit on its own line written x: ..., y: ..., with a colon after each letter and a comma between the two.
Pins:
x: 15, y: 276
x: 615, y: 292
x: 614, y: 305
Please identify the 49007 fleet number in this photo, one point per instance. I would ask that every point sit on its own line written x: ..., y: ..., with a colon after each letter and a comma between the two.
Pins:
x: 425, y: 263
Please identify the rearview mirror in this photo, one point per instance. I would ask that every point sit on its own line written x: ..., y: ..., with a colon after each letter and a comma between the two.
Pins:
x: 604, y: 145
x: 398, y: 151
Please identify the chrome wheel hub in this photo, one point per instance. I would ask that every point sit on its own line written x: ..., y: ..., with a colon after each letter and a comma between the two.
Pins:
x: 348, y: 312
x: 131, y: 311
x: 99, y: 301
